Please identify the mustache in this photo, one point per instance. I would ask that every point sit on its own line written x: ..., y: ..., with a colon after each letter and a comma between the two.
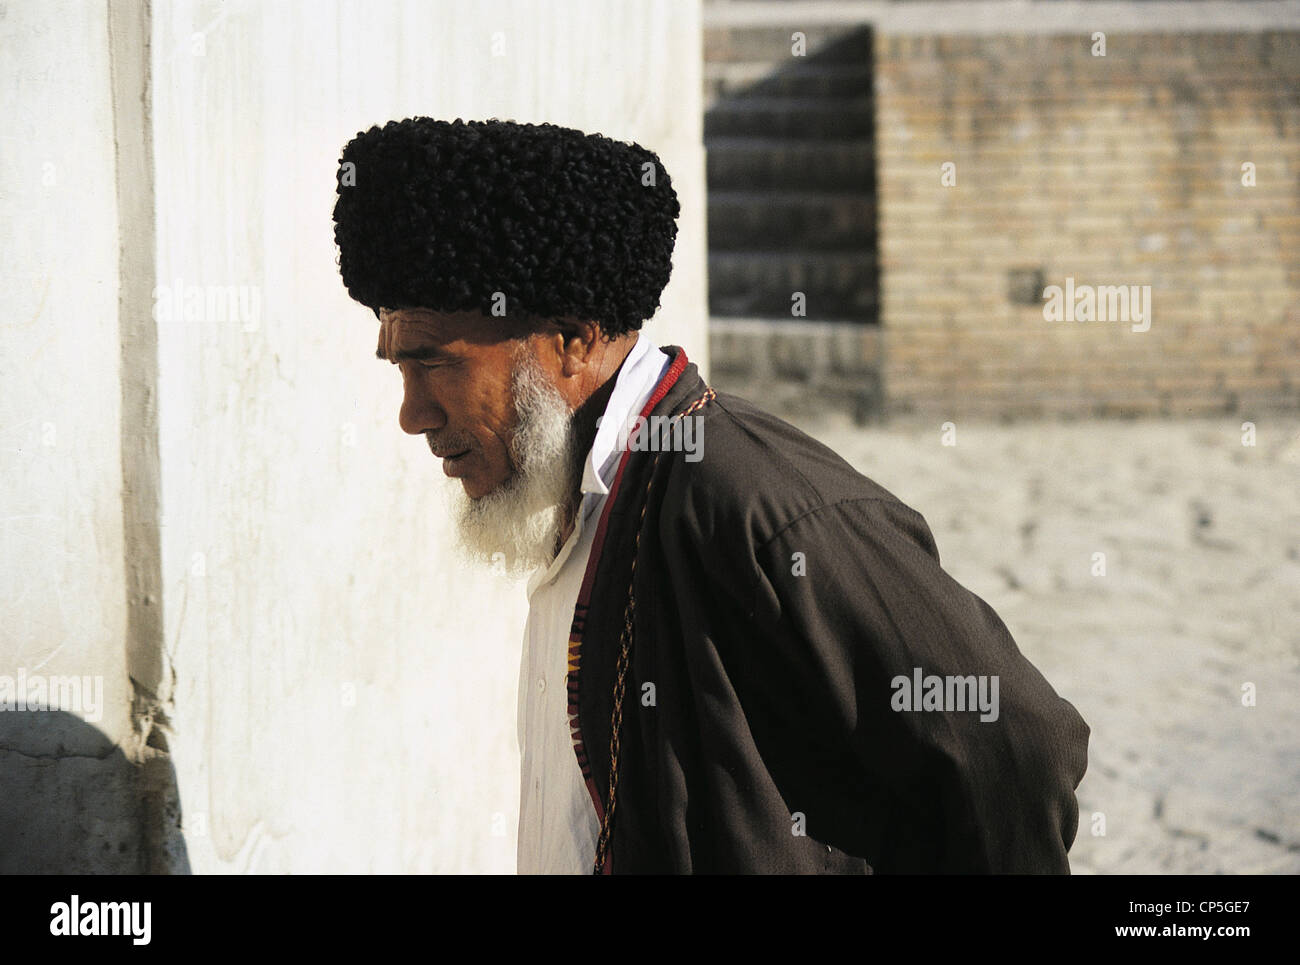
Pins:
x: 442, y: 448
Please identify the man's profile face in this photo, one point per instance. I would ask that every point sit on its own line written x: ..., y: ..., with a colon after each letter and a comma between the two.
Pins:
x: 489, y: 395
x: 456, y: 373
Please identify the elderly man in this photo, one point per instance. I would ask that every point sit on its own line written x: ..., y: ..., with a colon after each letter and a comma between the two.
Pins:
x: 741, y: 654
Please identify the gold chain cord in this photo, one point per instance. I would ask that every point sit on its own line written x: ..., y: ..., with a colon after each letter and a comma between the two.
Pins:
x: 624, y: 658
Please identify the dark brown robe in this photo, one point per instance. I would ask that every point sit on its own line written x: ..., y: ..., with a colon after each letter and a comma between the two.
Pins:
x: 780, y: 597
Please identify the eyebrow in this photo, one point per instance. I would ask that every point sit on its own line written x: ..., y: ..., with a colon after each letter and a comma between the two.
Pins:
x: 415, y: 354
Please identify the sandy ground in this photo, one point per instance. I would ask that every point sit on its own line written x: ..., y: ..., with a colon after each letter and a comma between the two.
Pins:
x: 1201, y: 595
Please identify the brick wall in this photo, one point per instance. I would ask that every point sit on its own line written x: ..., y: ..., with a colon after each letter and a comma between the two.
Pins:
x: 1117, y: 170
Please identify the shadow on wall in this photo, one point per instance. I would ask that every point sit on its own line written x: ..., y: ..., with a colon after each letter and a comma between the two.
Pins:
x: 71, y: 802
x: 794, y: 262
x: 792, y: 175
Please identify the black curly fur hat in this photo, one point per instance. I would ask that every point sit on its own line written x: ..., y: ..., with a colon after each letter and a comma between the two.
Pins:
x: 445, y: 215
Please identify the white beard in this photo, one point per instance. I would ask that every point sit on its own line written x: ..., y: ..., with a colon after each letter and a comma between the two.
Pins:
x: 517, y: 525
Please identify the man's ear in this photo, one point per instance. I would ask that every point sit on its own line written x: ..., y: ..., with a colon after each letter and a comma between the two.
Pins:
x: 578, y: 339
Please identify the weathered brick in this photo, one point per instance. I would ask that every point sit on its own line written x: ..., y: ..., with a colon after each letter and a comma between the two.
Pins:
x: 1117, y: 170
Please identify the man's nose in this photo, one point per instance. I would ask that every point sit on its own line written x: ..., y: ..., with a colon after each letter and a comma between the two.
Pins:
x: 420, y: 413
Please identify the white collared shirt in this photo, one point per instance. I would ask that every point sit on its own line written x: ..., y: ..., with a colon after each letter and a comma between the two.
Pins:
x: 557, y: 820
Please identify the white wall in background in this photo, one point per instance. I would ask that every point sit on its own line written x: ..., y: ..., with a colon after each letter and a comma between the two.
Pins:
x: 344, y: 697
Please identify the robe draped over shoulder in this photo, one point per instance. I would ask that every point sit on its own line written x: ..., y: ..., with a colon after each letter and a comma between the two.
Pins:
x: 782, y: 599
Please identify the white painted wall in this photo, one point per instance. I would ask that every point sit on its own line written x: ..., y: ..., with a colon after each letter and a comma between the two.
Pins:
x: 303, y: 546
x: 65, y: 794
x: 340, y: 697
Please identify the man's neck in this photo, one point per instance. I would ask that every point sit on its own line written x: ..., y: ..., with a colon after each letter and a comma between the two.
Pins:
x: 584, y: 435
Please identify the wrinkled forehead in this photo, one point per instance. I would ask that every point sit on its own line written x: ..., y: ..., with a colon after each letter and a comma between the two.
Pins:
x: 429, y: 326
x: 430, y: 322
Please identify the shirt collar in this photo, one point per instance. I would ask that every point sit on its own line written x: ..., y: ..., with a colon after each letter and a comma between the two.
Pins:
x: 637, y: 378
x: 641, y: 372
